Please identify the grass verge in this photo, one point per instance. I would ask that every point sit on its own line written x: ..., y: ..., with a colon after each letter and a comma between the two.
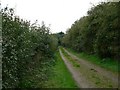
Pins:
x: 61, y: 77
x: 106, y: 63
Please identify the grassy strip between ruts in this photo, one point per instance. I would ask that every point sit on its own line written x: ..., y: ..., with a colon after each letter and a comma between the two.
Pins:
x: 74, y: 63
x: 106, y: 63
x: 61, y: 77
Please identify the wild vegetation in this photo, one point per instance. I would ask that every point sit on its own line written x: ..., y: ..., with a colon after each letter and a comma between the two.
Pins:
x: 25, y: 47
x: 97, y: 33
x: 29, y: 56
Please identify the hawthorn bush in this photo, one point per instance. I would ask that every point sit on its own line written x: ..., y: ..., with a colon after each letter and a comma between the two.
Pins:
x: 25, y: 47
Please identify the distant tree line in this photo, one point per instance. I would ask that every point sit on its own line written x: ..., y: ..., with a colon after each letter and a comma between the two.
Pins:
x: 98, y: 32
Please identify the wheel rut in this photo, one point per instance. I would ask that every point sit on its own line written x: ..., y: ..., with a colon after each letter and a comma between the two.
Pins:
x: 89, y: 75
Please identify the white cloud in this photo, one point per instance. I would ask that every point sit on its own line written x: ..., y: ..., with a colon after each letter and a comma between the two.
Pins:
x: 61, y: 14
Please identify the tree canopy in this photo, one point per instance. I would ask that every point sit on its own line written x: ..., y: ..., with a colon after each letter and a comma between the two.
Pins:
x: 98, y: 32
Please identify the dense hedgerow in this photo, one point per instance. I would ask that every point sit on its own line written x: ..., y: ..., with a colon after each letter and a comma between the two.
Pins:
x: 24, y: 48
x: 98, y: 32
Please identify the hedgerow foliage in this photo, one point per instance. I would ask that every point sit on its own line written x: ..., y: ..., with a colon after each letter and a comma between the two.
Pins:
x: 98, y: 32
x: 24, y: 48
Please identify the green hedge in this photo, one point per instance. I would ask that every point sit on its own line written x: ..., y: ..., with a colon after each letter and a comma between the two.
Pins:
x: 24, y: 47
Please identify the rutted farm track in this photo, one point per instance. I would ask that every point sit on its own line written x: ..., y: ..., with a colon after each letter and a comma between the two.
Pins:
x: 88, y: 75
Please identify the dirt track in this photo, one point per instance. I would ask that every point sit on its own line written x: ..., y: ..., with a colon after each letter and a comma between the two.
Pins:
x: 89, y: 75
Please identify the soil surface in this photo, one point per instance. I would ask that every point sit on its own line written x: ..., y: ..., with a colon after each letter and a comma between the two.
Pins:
x: 89, y: 75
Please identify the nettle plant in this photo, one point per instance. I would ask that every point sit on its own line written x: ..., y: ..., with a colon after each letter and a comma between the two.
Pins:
x: 21, y: 43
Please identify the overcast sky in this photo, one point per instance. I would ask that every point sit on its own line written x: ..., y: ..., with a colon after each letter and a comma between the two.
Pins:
x: 61, y: 14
